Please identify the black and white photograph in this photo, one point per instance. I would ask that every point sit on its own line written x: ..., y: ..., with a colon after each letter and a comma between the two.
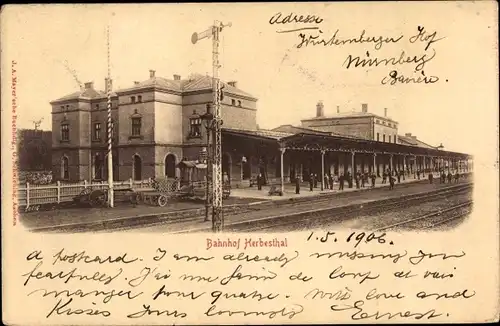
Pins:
x: 148, y: 149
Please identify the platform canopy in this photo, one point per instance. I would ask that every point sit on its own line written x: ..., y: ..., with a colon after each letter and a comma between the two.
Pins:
x: 328, y: 143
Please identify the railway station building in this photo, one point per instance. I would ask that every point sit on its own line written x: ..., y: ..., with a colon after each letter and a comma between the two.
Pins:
x: 158, y: 122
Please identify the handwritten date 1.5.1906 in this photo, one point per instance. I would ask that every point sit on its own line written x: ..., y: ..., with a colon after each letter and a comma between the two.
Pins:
x: 355, y: 237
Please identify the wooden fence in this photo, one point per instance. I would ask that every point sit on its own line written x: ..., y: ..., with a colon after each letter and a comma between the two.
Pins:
x: 28, y: 195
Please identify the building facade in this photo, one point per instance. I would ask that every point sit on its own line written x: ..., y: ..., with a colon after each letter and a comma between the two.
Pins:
x: 156, y: 124
x: 362, y: 124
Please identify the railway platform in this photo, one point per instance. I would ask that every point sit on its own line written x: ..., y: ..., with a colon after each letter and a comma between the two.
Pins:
x: 275, y: 210
x: 289, y: 191
x: 244, y: 204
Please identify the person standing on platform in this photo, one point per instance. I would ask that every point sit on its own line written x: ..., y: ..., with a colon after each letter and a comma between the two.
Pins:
x: 418, y: 174
x: 326, y: 181
x: 392, y: 181
x: 457, y: 176
x: 330, y: 180
x: 315, y: 180
x: 373, y: 176
x: 403, y: 174
x: 384, y: 177
x: 442, y: 177
x: 297, y: 186
x: 349, y: 179
x: 311, y: 182
x: 356, y: 179
x: 398, y: 175
x: 362, y: 177
x: 259, y: 181
x: 341, y: 181
x: 449, y: 176
x: 431, y: 178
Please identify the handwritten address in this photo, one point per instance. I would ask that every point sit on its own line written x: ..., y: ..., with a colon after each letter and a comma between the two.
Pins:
x: 422, y: 43
x: 266, y: 283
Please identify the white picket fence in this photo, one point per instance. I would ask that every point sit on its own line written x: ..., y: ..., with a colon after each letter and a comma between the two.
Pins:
x: 29, y: 195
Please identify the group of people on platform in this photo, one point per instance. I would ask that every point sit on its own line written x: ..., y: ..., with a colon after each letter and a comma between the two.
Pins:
x: 443, y: 177
x: 363, y: 179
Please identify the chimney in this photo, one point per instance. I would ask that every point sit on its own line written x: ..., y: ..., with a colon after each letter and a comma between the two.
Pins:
x: 338, y: 109
x: 89, y: 85
x: 151, y: 73
x: 177, y: 77
x: 319, y: 109
x: 108, y: 84
x: 414, y: 137
x: 136, y: 82
x: 364, y: 108
x: 408, y: 134
x: 233, y: 83
x: 385, y: 112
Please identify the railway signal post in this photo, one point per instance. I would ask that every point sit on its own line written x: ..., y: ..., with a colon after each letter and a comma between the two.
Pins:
x: 111, y: 196
x: 216, y: 124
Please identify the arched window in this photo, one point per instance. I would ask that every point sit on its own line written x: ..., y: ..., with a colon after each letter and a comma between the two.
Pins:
x: 170, y: 166
x: 64, y: 168
x: 137, y: 167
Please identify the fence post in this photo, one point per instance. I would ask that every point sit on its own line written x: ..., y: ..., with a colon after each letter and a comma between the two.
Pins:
x: 58, y: 192
x: 27, y: 194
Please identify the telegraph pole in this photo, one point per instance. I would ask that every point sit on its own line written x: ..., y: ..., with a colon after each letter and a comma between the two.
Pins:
x: 111, y: 198
x: 217, y: 213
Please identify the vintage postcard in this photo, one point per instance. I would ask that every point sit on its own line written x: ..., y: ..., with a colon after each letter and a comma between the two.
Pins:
x: 250, y: 163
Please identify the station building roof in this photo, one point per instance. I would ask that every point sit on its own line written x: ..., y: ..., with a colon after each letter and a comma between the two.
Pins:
x: 410, y: 140
x: 342, y: 115
x: 85, y: 94
x: 296, y: 130
x: 194, y: 83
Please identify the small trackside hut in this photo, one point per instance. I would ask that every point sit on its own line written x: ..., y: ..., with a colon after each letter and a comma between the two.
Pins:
x: 193, y: 181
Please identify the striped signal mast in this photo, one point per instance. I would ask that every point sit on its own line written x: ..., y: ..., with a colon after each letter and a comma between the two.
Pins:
x: 215, y: 124
x: 111, y: 198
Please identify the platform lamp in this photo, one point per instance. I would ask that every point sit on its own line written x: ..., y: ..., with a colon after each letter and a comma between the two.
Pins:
x: 208, y: 120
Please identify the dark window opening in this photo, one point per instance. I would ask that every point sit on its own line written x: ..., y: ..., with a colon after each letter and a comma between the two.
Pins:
x: 195, y: 127
x: 97, y: 131
x: 136, y: 126
x: 65, y: 132
x: 65, y: 168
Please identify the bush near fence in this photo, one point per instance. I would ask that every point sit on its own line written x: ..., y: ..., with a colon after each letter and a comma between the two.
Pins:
x: 35, y: 177
x: 29, y: 195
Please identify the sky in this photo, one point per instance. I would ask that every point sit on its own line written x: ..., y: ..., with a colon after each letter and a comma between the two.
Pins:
x: 54, y: 43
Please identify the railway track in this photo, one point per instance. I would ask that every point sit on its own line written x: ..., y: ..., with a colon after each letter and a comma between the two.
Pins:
x: 299, y: 207
x: 305, y: 219
x: 433, y: 219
